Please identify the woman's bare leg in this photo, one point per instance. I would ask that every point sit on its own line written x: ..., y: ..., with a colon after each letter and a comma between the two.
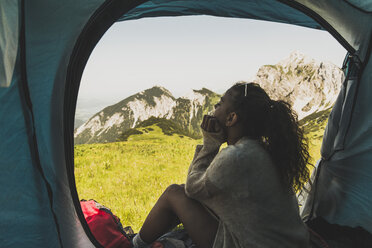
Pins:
x: 174, y: 207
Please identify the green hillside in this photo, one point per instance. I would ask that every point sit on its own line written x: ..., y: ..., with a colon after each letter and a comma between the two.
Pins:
x: 129, y: 176
x: 167, y: 127
x: 115, y: 122
x: 314, y: 126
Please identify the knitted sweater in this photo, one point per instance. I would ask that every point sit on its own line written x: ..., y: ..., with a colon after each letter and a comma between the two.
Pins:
x: 241, y: 186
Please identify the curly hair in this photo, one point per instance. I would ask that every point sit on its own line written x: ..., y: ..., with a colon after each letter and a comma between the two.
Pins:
x: 276, y: 126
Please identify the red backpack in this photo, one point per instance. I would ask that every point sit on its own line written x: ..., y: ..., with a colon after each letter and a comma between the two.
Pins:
x: 104, y: 225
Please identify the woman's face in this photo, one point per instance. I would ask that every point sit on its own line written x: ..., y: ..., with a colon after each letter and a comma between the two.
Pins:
x: 223, y: 108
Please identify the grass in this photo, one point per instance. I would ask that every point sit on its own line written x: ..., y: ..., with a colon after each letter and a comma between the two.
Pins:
x: 314, y: 126
x: 128, y: 177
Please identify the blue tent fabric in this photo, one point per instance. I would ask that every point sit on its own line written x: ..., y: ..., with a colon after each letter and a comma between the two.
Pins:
x: 8, y: 41
x: 334, y: 13
x: 269, y: 10
x: 50, y: 38
x: 43, y: 48
x: 361, y: 4
x: 346, y: 176
x: 351, y: 201
x: 351, y: 23
x: 24, y: 199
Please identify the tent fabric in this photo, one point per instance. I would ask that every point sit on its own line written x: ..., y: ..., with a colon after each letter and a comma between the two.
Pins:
x: 341, y: 199
x: 346, y: 175
x: 351, y: 23
x: 39, y: 83
x: 343, y: 109
x: 52, y: 28
x: 25, y: 208
x: 365, y: 5
x: 8, y: 41
x: 338, y: 14
x: 269, y: 10
x: 27, y: 215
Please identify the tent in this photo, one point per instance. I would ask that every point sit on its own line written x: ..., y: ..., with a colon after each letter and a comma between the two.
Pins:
x: 44, y: 47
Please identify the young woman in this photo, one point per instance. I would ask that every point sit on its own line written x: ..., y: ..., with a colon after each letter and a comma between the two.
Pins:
x: 243, y: 195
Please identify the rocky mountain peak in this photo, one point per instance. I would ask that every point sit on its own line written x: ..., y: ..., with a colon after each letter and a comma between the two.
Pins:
x: 295, y: 57
x: 156, y: 91
x: 308, y: 85
x: 158, y: 102
x: 109, y: 122
x: 194, y: 96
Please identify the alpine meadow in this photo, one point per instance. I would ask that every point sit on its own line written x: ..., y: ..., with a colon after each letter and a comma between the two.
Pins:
x: 127, y: 154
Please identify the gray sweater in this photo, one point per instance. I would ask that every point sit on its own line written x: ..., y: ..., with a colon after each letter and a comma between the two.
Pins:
x: 241, y: 186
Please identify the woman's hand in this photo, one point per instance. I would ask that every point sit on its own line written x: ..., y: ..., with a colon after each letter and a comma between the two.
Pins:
x: 212, y: 129
x: 210, y: 124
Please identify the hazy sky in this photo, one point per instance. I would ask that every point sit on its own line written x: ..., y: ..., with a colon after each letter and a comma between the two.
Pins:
x: 184, y: 53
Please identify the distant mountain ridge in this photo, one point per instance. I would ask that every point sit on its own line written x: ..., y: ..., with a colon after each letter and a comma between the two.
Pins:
x: 309, y: 86
x: 108, y: 124
x: 168, y: 127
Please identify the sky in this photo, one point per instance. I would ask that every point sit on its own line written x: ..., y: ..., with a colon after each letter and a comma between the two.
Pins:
x: 185, y: 53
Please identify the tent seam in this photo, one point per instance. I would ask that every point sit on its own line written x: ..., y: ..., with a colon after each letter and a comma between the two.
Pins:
x: 29, y: 116
x: 358, y: 8
x: 368, y: 53
x: 108, y: 11
x: 316, y: 17
x: 360, y: 67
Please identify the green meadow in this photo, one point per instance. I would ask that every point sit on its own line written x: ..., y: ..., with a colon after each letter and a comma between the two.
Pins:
x: 129, y: 176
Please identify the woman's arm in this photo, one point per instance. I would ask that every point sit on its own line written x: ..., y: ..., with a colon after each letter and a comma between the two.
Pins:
x: 204, y: 155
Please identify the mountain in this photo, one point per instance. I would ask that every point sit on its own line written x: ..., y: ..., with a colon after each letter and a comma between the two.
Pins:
x: 167, y: 127
x: 315, y: 123
x: 110, y: 123
x: 88, y: 106
x: 190, y: 109
x: 78, y: 122
x: 308, y: 85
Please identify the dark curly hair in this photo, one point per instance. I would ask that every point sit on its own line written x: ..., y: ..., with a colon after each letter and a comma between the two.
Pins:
x: 276, y: 126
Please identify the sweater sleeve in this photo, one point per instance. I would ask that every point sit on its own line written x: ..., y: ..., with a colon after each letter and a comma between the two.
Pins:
x: 204, y: 155
x: 209, y: 173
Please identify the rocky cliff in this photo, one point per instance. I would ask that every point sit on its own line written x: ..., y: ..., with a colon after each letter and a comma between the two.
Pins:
x: 308, y: 85
x: 108, y: 124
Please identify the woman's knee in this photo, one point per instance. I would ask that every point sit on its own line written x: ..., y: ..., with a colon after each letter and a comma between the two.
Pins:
x: 174, y: 193
x: 175, y: 190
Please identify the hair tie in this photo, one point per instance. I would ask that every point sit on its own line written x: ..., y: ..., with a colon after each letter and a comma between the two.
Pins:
x: 271, y: 104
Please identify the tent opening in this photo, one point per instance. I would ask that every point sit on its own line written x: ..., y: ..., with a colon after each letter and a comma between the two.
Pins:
x: 148, y: 82
x: 45, y: 46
